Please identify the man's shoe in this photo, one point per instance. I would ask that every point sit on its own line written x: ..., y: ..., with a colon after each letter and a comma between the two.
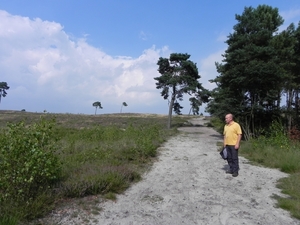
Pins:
x: 235, y: 174
x: 228, y: 171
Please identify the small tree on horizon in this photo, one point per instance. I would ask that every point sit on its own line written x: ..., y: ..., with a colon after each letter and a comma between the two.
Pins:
x: 123, y: 104
x: 3, y: 88
x: 97, y: 104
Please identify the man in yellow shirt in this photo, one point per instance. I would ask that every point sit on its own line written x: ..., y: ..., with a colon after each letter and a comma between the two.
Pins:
x: 232, y: 137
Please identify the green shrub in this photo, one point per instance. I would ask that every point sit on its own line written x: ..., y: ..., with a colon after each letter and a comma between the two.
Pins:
x: 28, y: 164
x: 276, y: 135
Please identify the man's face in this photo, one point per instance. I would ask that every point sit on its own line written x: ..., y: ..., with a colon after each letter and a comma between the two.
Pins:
x: 228, y: 119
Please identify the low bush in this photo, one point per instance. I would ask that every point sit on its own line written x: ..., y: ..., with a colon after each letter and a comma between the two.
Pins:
x: 102, y: 159
x: 28, y: 164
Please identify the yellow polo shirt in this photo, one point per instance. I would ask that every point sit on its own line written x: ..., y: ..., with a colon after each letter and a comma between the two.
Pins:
x: 231, y: 133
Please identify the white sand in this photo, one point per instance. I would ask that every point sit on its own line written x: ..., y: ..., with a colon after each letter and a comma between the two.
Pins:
x: 188, y: 185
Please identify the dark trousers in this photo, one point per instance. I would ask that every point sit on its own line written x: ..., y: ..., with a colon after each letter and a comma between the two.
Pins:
x: 232, y: 158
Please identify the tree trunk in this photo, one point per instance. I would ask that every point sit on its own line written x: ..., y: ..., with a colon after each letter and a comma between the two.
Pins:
x: 278, y: 101
x: 296, y: 108
x: 289, y: 100
x: 245, y: 125
x: 253, y: 104
x: 170, y: 111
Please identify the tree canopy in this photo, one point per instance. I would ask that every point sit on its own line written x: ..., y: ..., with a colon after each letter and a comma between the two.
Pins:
x: 97, y: 104
x: 123, y: 104
x: 179, y: 76
x: 3, y: 88
x: 258, y: 66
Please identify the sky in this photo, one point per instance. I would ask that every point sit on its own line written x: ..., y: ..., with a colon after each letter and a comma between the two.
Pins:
x: 61, y: 56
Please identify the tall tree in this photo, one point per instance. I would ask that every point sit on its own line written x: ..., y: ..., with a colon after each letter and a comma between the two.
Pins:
x: 3, y: 88
x: 97, y: 104
x: 250, y: 77
x: 123, y: 104
x: 284, y: 44
x: 296, y: 76
x: 179, y: 76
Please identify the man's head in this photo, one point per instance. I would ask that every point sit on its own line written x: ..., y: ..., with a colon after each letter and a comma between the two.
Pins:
x: 229, y: 118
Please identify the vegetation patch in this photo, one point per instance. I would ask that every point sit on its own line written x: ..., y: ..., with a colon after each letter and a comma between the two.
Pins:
x: 277, y: 150
x: 48, y: 159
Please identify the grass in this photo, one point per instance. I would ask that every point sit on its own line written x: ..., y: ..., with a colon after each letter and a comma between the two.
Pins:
x: 283, y: 157
x: 99, y: 154
x: 8, y: 220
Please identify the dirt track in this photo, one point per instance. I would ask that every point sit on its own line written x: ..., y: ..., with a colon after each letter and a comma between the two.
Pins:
x: 188, y: 185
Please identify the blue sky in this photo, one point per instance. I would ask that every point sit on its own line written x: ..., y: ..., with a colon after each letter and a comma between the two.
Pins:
x: 63, y: 55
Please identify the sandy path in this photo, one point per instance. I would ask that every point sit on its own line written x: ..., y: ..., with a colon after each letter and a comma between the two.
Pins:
x: 188, y: 185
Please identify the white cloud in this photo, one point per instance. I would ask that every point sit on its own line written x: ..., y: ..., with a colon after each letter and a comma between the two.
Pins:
x: 208, y: 69
x: 39, y: 59
x: 47, y: 69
